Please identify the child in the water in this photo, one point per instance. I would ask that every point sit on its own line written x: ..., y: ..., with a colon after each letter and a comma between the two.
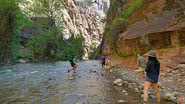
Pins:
x: 74, y: 67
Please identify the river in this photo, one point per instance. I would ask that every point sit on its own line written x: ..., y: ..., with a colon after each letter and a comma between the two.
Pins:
x: 48, y: 83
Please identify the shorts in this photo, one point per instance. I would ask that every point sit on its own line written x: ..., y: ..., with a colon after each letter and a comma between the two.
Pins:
x: 73, y: 64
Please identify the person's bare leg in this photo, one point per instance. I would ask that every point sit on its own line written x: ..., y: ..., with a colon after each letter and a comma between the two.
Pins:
x: 146, y: 88
x: 156, y: 92
x: 74, y: 69
x: 70, y: 70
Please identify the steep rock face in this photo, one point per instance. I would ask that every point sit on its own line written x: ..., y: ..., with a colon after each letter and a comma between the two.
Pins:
x: 156, y: 24
x: 86, y: 18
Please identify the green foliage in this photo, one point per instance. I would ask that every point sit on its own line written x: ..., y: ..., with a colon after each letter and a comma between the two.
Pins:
x: 50, y: 9
x: 58, y: 49
x: 115, y: 3
x: 12, y: 21
x: 42, y: 45
x: 135, y: 4
x: 74, y: 47
x: 49, y: 46
x: 118, y: 22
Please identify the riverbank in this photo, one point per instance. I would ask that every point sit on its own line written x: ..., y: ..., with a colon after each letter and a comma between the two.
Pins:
x: 171, y: 85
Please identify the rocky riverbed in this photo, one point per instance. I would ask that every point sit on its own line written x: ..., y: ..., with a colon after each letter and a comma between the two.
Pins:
x: 171, y: 85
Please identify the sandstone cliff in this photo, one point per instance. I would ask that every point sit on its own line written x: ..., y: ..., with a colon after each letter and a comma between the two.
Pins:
x: 152, y: 25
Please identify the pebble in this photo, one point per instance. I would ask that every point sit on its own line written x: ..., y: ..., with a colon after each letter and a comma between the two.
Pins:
x: 129, y: 86
x: 126, y: 94
x: 142, y: 95
x: 140, y: 87
x: 136, y: 90
x: 118, y: 82
x: 169, y: 97
x: 125, y: 82
x: 183, y: 83
x: 78, y: 103
x: 121, y: 101
x: 124, y: 91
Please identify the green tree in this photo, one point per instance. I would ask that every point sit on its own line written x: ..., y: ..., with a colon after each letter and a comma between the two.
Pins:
x: 11, y: 21
x: 48, y: 9
x: 50, y: 45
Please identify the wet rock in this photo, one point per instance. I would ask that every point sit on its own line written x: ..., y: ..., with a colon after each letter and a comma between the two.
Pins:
x: 49, y: 79
x: 140, y: 87
x: 125, y: 82
x: 79, y: 77
x: 78, y: 103
x: 181, y: 65
x: 93, y: 71
x: 142, y: 95
x: 129, y: 86
x: 124, y: 91
x: 183, y: 83
x: 126, y: 94
x: 121, y: 101
x: 70, y: 77
x: 118, y: 82
x: 136, y: 90
x: 169, y: 97
x: 22, y: 61
x: 163, y: 74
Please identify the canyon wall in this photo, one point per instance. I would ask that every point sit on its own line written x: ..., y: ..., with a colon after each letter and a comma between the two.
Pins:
x: 153, y: 25
x: 86, y: 18
x: 137, y: 26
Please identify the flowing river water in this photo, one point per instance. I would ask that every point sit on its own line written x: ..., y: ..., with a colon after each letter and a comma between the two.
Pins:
x: 48, y: 83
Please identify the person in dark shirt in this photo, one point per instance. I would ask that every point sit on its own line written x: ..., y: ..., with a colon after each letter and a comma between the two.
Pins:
x: 103, y: 59
x: 74, y: 67
x: 152, y: 74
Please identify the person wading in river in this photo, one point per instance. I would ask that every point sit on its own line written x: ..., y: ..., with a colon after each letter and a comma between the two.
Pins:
x: 152, y: 74
x: 74, y: 67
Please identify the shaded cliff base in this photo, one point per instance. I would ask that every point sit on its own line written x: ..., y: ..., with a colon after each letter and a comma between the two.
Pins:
x: 172, y: 76
x: 170, y: 59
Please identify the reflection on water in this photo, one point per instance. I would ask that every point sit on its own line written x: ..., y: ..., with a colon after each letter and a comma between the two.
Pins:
x: 48, y: 84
